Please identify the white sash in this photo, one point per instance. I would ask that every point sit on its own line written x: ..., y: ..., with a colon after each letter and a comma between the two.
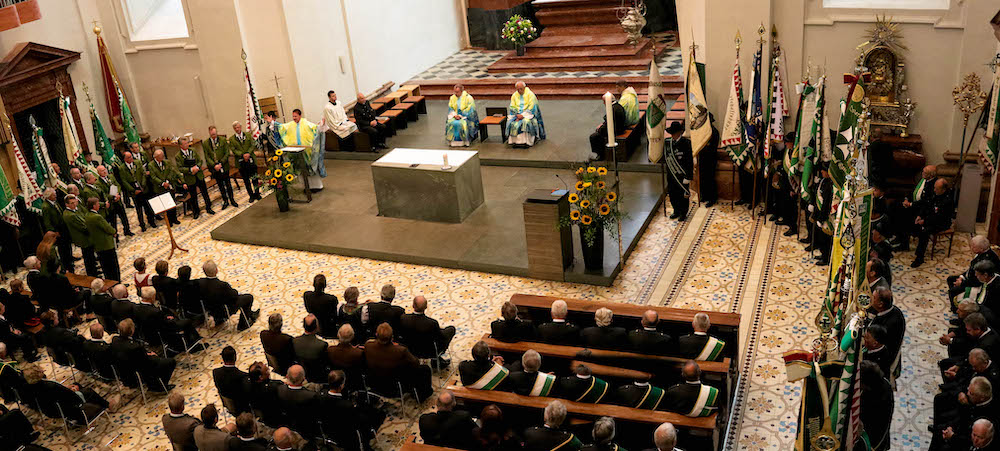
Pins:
x: 711, y: 349
x: 702, y: 402
x: 491, y: 379
x: 543, y: 384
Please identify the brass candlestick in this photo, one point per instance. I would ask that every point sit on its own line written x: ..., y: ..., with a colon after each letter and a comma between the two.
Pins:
x: 969, y: 98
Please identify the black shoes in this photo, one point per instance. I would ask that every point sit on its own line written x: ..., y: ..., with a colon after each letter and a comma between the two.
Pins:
x: 210, y: 211
x: 244, y: 325
x: 804, y: 240
x: 789, y: 232
x: 675, y: 216
x: 233, y: 203
x: 823, y: 262
x: 917, y: 262
x: 129, y: 233
x: 709, y: 204
x: 225, y: 205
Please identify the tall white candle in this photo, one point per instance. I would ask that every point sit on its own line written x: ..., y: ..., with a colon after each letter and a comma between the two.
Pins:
x: 445, y: 158
x: 608, y: 99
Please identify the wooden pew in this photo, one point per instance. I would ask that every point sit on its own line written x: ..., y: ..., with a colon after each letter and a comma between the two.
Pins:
x: 717, y: 374
x: 414, y: 446
x: 701, y: 426
x: 673, y: 321
x: 606, y: 371
x: 83, y: 281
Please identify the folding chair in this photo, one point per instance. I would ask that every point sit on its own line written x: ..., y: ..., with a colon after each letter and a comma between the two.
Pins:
x: 88, y: 422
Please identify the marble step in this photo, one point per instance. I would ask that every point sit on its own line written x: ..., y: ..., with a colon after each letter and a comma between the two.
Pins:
x: 592, y: 63
x: 566, y: 88
x: 578, y: 16
x: 589, y: 30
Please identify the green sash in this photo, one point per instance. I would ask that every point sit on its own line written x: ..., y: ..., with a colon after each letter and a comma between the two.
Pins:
x: 543, y: 384
x: 651, y: 400
x: 705, y: 404
x: 712, y: 349
x: 491, y: 379
x: 919, y: 190
x: 595, y: 392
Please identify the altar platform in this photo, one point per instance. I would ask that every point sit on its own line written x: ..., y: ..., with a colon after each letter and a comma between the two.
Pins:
x: 343, y: 219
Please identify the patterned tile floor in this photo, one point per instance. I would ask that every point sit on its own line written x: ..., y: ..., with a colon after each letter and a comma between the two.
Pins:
x: 772, y: 283
x: 467, y: 64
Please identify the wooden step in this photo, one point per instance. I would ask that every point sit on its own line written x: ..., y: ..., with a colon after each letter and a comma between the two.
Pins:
x: 582, y: 29
x: 557, y: 4
x: 584, y: 41
x: 567, y: 91
x: 972, y: 156
x: 568, y: 64
x: 577, y: 16
x: 642, y: 49
x: 548, y: 87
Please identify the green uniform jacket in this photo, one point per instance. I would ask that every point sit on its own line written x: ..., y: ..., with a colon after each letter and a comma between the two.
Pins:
x: 216, y: 153
x: 88, y: 191
x: 136, y: 177
x: 102, y: 236
x: 105, y: 187
x: 238, y: 148
x: 52, y: 220
x: 158, y: 175
x: 77, y: 227
x: 185, y: 169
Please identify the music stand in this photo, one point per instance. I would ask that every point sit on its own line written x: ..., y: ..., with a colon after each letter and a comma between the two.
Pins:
x: 162, y: 204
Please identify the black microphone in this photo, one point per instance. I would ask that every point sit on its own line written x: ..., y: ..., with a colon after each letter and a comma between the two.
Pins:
x: 563, y: 182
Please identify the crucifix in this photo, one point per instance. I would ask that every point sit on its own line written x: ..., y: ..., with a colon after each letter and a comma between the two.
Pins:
x: 277, y: 89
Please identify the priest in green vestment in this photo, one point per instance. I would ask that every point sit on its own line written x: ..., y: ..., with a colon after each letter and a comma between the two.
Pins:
x: 462, y: 125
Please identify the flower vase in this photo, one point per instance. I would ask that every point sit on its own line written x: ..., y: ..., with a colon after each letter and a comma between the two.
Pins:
x: 593, y: 255
x: 281, y: 195
x: 520, y: 50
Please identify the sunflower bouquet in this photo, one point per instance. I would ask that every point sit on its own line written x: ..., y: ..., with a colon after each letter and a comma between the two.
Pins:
x: 592, y: 204
x: 279, y: 175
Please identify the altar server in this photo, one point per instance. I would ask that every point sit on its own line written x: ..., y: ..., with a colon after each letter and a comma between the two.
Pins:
x: 462, y: 125
x: 524, y: 118
x: 335, y: 118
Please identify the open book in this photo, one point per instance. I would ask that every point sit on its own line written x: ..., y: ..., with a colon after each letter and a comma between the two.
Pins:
x: 162, y: 203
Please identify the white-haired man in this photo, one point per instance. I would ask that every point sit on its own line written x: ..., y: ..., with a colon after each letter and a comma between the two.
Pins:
x: 524, y: 118
x: 217, y: 157
x: 115, y: 206
x: 221, y: 298
x: 982, y: 436
x: 960, y: 283
x: 192, y: 180
x: 559, y: 331
x: 699, y: 345
x: 52, y: 221
x: 551, y: 436
x: 163, y: 179
x: 603, y: 335
x: 665, y: 438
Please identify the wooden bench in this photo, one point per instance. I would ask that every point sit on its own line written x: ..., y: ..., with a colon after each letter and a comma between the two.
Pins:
x: 397, y: 96
x: 84, y: 281
x: 420, y: 101
x: 378, y: 107
x: 717, y: 374
x: 673, y: 321
x: 410, y: 109
x: 700, y: 426
x: 612, y: 372
x: 410, y: 90
x: 494, y: 116
x: 396, y: 117
x: 414, y: 446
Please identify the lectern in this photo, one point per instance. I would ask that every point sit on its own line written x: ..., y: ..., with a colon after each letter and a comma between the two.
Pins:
x: 550, y: 248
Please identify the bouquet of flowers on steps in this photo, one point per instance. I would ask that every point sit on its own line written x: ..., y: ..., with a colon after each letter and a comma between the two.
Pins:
x: 518, y: 31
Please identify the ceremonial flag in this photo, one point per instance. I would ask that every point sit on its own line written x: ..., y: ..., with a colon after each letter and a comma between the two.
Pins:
x: 131, y: 134
x: 655, y: 114
x: 110, y: 80
x: 71, y: 139
x: 697, y: 108
x: 811, y: 155
x: 798, y: 364
x: 253, y: 119
x: 774, y: 114
x: 39, y: 156
x: 754, y: 118
x: 792, y: 155
x: 101, y: 141
x: 732, y: 130
x: 8, y: 212
x: 850, y: 111
x: 30, y: 191
x: 813, y: 409
x: 989, y: 144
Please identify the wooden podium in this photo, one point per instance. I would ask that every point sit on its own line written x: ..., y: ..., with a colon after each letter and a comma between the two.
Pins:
x: 550, y: 248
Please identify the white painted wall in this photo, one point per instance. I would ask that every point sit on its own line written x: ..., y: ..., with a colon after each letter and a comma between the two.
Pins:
x: 395, y: 42
x: 318, y: 41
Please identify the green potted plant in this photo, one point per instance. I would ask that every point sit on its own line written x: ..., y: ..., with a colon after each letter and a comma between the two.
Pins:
x: 518, y: 31
x: 278, y: 177
x: 593, y: 210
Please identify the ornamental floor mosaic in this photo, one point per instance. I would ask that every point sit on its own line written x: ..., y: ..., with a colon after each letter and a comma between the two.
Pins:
x: 469, y: 64
x: 708, y: 262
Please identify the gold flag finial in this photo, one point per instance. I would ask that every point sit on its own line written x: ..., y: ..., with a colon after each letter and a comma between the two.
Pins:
x: 243, y: 54
x: 97, y: 28
x: 86, y: 92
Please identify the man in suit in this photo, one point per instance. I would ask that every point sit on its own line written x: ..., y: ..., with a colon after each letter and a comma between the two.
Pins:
x: 217, y: 157
x: 959, y: 342
x: 875, y: 350
x: 582, y: 386
x: 448, y: 427
x: 246, y: 435
x: 163, y: 179
x: 132, y: 357
x: 529, y: 381
x: 647, y: 339
x: 52, y: 221
x: 232, y: 383
x: 699, y: 345
x: 680, y: 166
x: 89, y: 189
x: 952, y: 430
x: 484, y: 371
x: 905, y: 212
x: 190, y: 165
x: 242, y: 147
x: 61, y: 343
x: 102, y: 237
x: 375, y: 313
x: 296, y: 401
x: 639, y: 395
x: 217, y: 294
x: 16, y: 339
x: 665, y: 438
x: 604, y: 335
x: 957, y: 284
x: 121, y: 307
x: 933, y: 216
x: 989, y: 285
x: 877, y: 396
x: 423, y: 335
x: 877, y: 273
x: 347, y: 356
x: 264, y: 395
x: 552, y: 436
x: 982, y: 436
x: 604, y: 436
x: 890, y: 317
x: 11, y: 377
x: 559, y: 331
x: 98, y: 352
x: 310, y: 350
x: 599, y: 139
x: 178, y: 425
x: 75, y: 219
x: 820, y: 215
x: 388, y: 361
x: 99, y: 302
x: 880, y: 246
x: 278, y: 344
x: 984, y: 337
x: 691, y: 397
x: 511, y: 329
x: 323, y: 305
x: 38, y: 283
x: 208, y: 436
x: 955, y: 382
x: 116, y: 207
x: 179, y: 334
x: 343, y: 418
x: 134, y: 178
x: 282, y: 440
x: 368, y: 123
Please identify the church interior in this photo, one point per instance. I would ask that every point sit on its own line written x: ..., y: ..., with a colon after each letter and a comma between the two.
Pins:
x: 499, y: 224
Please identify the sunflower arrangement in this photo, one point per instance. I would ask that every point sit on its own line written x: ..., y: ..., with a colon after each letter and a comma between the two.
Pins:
x: 518, y: 30
x: 280, y: 173
x: 592, y: 204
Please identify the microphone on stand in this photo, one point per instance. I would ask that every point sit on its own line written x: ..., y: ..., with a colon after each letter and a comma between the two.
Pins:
x: 564, y: 191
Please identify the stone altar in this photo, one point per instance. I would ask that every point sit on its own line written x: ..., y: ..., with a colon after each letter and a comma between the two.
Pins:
x: 415, y: 184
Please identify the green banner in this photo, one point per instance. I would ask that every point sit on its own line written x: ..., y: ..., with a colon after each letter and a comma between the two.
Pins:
x: 840, y: 165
